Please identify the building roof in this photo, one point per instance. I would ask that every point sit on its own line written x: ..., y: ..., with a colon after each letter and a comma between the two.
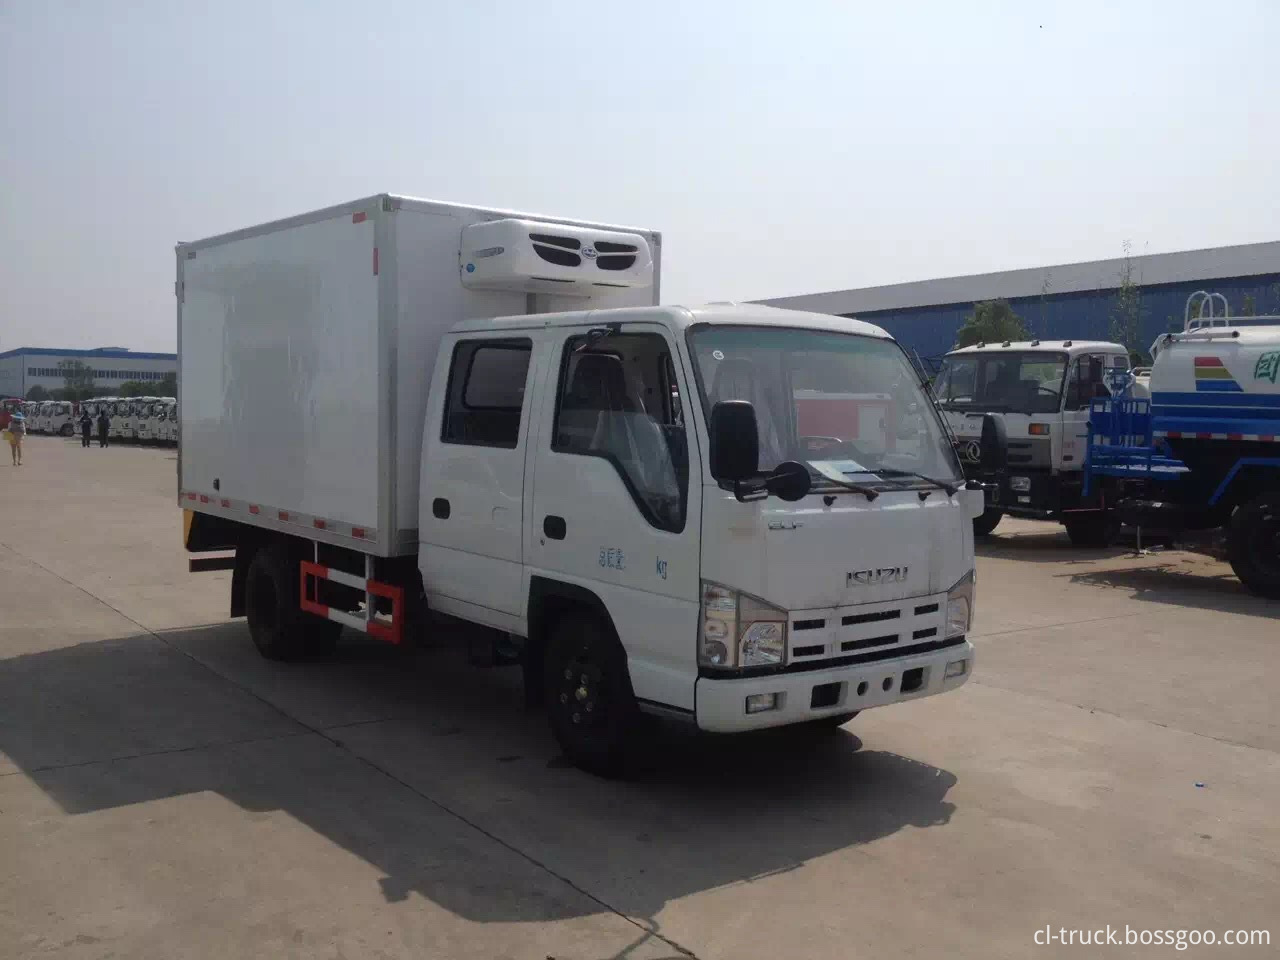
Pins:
x: 109, y: 353
x: 1213, y: 263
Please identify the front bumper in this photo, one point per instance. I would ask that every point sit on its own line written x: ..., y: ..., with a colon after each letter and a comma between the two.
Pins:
x: 1048, y: 494
x: 721, y: 704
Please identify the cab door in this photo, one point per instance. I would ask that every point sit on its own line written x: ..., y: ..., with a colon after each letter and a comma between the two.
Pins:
x: 472, y: 494
x: 612, y: 509
x: 1086, y: 381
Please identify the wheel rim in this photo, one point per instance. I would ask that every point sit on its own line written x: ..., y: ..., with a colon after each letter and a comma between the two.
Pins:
x: 262, y: 602
x: 582, y: 693
x: 1264, y: 541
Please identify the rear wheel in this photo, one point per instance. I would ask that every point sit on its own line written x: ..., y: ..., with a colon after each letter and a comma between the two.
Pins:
x: 1093, y: 529
x: 67, y: 430
x: 990, y: 519
x: 588, y: 695
x: 1253, y: 544
x: 279, y: 628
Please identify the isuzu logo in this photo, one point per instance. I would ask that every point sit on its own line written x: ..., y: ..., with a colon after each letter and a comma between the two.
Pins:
x: 589, y: 252
x: 870, y: 578
x: 970, y: 451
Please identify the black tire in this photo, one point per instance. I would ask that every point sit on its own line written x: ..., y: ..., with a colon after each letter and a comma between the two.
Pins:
x: 67, y: 430
x: 833, y: 722
x: 588, y: 695
x: 1253, y: 544
x: 279, y: 629
x: 990, y: 519
x: 1092, y: 529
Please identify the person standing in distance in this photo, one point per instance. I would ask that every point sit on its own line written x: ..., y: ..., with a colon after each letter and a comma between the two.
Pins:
x: 104, y: 424
x: 17, y: 430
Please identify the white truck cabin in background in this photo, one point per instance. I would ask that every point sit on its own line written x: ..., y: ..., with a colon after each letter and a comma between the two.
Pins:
x: 1039, y: 391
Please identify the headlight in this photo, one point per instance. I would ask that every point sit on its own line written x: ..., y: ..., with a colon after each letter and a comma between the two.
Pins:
x: 960, y: 600
x: 739, y: 630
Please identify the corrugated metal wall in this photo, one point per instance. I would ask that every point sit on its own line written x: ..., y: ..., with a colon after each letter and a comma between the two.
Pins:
x: 1081, y: 316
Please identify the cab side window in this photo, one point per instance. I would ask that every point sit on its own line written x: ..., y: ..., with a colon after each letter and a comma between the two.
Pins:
x: 486, y: 391
x: 1086, y: 382
x: 618, y: 400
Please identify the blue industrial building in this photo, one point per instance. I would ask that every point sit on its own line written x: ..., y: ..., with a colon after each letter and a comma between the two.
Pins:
x: 1071, y: 301
x: 25, y: 367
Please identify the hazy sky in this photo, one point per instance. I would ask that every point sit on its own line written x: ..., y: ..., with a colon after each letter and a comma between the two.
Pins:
x: 781, y: 147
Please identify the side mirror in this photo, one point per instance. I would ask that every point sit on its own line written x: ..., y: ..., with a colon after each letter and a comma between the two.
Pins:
x: 735, y: 441
x: 994, y: 443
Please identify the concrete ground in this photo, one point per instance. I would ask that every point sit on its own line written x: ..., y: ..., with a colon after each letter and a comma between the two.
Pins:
x: 166, y: 793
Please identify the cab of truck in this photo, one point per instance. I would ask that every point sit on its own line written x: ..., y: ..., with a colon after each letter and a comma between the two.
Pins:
x: 734, y: 515
x: 1039, y: 393
x: 144, y: 412
x: 61, y: 418
x: 163, y: 420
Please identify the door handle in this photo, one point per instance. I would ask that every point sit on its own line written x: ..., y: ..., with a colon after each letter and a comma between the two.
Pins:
x: 440, y: 508
x: 554, y: 527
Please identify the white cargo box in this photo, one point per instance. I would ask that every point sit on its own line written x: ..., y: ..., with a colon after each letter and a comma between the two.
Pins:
x: 305, y: 349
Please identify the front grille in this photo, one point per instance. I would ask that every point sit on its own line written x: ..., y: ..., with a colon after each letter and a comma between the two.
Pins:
x: 870, y: 617
x: 868, y: 642
x: 884, y: 628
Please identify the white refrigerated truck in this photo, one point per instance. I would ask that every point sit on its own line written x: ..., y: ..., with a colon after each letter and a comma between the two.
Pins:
x: 397, y: 412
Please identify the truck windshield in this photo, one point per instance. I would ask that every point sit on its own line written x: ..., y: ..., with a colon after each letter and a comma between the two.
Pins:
x: 1004, y: 382
x: 851, y: 401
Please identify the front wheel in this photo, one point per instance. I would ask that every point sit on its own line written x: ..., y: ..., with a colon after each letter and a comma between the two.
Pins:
x: 1092, y: 529
x: 1253, y: 544
x: 588, y: 695
x: 990, y: 519
x: 67, y: 430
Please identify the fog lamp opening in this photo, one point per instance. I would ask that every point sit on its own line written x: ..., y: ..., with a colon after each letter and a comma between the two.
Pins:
x: 956, y: 668
x: 761, y: 702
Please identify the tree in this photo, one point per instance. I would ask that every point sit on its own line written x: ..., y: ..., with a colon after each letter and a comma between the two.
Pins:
x: 1126, y: 312
x: 992, y: 321
x: 38, y: 393
x: 168, y: 386
x: 134, y: 388
x: 78, y: 379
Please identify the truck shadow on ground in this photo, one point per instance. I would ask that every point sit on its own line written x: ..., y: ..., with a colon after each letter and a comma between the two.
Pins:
x: 1166, y: 583
x: 1054, y: 546
x: 1051, y: 546
x: 410, y: 761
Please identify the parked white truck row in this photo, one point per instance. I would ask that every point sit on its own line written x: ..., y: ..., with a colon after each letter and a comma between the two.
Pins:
x: 400, y: 413
x: 143, y: 419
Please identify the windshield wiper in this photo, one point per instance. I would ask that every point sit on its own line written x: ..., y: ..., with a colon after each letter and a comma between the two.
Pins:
x: 837, y: 477
x: 951, y: 488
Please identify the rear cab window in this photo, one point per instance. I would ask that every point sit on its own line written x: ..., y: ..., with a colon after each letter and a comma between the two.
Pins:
x: 485, y: 398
